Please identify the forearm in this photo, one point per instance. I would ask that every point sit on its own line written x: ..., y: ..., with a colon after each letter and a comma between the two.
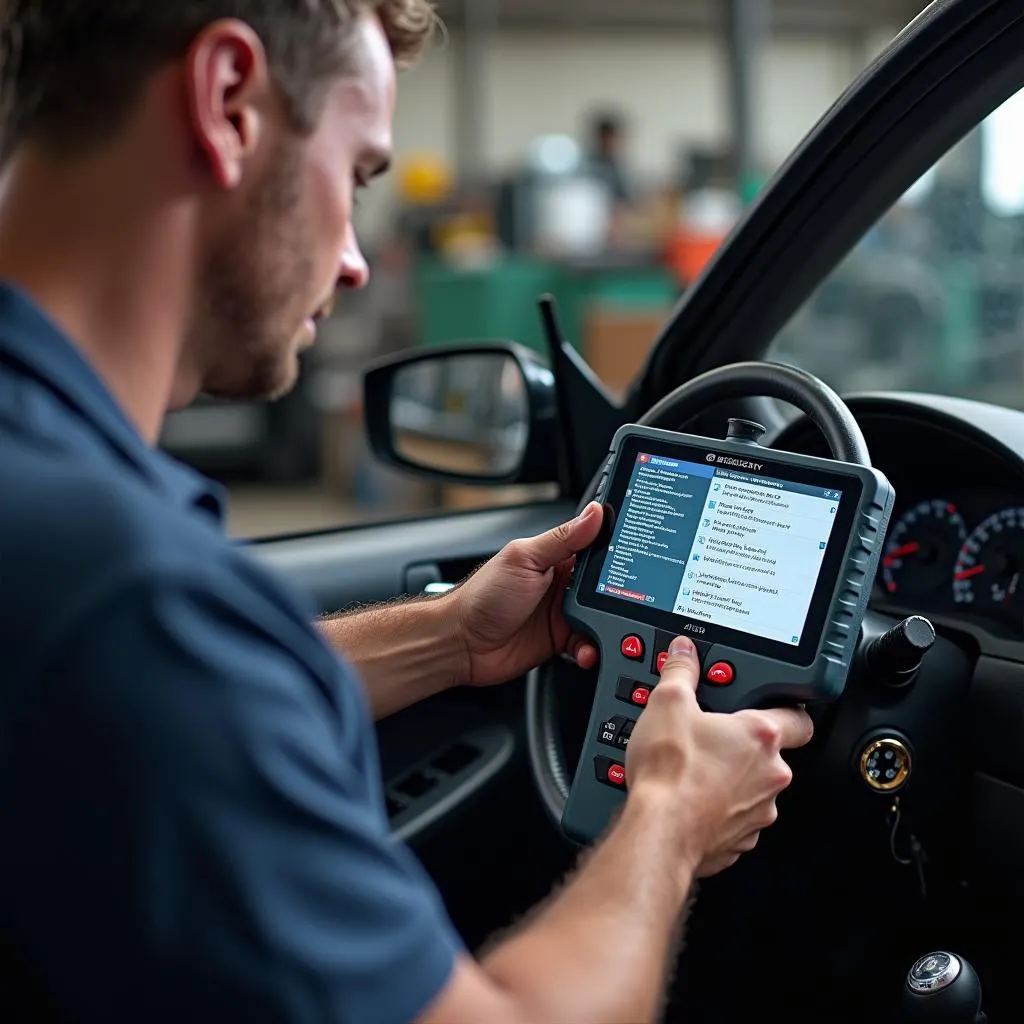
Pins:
x: 404, y: 651
x: 600, y: 951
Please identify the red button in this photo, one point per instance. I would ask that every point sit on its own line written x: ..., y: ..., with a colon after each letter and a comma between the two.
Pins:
x: 617, y: 775
x: 659, y: 664
x: 640, y: 696
x: 632, y: 647
x: 721, y: 673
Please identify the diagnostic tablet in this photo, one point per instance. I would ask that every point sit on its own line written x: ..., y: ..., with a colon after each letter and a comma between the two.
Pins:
x: 763, y: 558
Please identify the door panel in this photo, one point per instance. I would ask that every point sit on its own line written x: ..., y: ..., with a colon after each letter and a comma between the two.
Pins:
x: 455, y: 768
x: 379, y: 562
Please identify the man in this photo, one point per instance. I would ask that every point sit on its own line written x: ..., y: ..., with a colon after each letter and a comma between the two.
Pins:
x: 608, y: 135
x: 189, y: 795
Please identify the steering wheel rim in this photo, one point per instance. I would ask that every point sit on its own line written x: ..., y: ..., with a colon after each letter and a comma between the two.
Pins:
x: 738, y: 380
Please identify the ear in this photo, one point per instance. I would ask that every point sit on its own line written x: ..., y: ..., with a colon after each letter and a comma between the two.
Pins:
x: 229, y: 89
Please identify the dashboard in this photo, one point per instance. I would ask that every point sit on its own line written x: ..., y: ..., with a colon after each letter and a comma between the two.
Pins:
x: 955, y: 547
x: 954, y: 553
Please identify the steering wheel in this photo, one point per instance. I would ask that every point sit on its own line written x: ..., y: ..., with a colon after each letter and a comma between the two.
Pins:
x: 739, y: 380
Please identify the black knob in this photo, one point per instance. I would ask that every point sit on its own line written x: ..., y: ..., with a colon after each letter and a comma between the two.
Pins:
x: 942, y: 988
x: 746, y: 431
x: 895, y: 657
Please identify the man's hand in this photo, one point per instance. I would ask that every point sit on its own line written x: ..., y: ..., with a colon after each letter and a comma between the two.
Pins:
x: 720, y: 773
x: 701, y: 787
x: 509, y: 612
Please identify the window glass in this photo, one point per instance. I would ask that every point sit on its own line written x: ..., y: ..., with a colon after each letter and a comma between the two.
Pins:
x: 932, y: 299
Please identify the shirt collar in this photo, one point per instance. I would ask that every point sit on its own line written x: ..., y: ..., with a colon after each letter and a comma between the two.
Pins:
x: 33, y: 342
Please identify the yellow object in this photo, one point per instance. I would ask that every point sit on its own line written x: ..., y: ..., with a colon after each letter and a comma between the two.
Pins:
x: 424, y: 180
x: 455, y: 230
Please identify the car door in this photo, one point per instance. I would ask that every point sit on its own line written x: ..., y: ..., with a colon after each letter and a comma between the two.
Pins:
x: 455, y: 768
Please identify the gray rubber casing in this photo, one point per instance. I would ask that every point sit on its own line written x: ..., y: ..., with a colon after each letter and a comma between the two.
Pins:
x: 760, y: 680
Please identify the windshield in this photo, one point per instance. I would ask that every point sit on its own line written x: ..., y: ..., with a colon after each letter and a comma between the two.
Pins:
x: 932, y: 298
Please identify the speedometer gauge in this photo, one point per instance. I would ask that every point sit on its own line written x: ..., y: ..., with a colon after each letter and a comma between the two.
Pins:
x: 988, y: 573
x: 922, y: 548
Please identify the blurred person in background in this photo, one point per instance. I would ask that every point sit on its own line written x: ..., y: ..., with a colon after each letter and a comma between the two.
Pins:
x: 606, y: 158
x: 608, y: 136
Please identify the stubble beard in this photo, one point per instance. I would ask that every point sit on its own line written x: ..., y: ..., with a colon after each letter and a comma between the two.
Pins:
x: 246, y: 331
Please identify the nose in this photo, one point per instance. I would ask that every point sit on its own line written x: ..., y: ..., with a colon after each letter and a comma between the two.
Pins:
x: 353, y: 271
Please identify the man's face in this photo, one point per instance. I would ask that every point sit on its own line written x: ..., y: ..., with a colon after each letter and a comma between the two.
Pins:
x: 286, y: 242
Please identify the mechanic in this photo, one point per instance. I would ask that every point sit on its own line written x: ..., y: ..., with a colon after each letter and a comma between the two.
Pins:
x: 192, y: 816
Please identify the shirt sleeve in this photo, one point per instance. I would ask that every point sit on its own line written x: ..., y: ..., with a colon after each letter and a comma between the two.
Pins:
x: 200, y: 833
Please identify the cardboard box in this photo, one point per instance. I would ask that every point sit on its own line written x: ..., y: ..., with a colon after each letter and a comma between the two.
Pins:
x: 617, y: 342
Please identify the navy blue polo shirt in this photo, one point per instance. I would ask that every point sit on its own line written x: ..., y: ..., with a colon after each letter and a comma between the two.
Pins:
x: 191, y: 818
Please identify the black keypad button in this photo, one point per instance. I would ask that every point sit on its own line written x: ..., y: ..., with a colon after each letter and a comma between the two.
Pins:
x: 611, y: 773
x: 622, y: 736
x: 633, y: 692
x: 613, y: 729
x: 662, y: 639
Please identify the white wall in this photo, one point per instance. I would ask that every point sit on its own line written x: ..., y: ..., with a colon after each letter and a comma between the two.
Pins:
x: 674, y: 88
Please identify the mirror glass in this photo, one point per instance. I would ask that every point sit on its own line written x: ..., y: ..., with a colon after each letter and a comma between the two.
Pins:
x: 464, y: 414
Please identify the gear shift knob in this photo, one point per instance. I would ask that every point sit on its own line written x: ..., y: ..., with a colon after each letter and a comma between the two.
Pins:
x: 942, y: 988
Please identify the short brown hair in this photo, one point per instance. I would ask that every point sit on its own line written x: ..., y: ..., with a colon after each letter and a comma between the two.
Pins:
x: 70, y: 70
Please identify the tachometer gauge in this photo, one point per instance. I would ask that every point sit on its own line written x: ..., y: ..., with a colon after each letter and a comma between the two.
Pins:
x: 922, y: 548
x: 989, y: 573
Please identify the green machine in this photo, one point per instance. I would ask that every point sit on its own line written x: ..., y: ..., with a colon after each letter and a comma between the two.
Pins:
x: 500, y: 301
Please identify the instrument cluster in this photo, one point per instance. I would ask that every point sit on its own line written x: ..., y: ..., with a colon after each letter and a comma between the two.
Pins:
x: 954, y: 551
x: 960, y: 554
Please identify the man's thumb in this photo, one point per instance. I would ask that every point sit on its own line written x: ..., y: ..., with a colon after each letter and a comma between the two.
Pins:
x: 682, y: 664
x: 568, y: 539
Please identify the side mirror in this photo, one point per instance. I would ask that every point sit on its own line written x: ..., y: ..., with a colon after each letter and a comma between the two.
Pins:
x: 479, y: 413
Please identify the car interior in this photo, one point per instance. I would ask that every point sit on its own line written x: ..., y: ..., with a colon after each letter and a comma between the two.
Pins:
x: 855, y: 883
